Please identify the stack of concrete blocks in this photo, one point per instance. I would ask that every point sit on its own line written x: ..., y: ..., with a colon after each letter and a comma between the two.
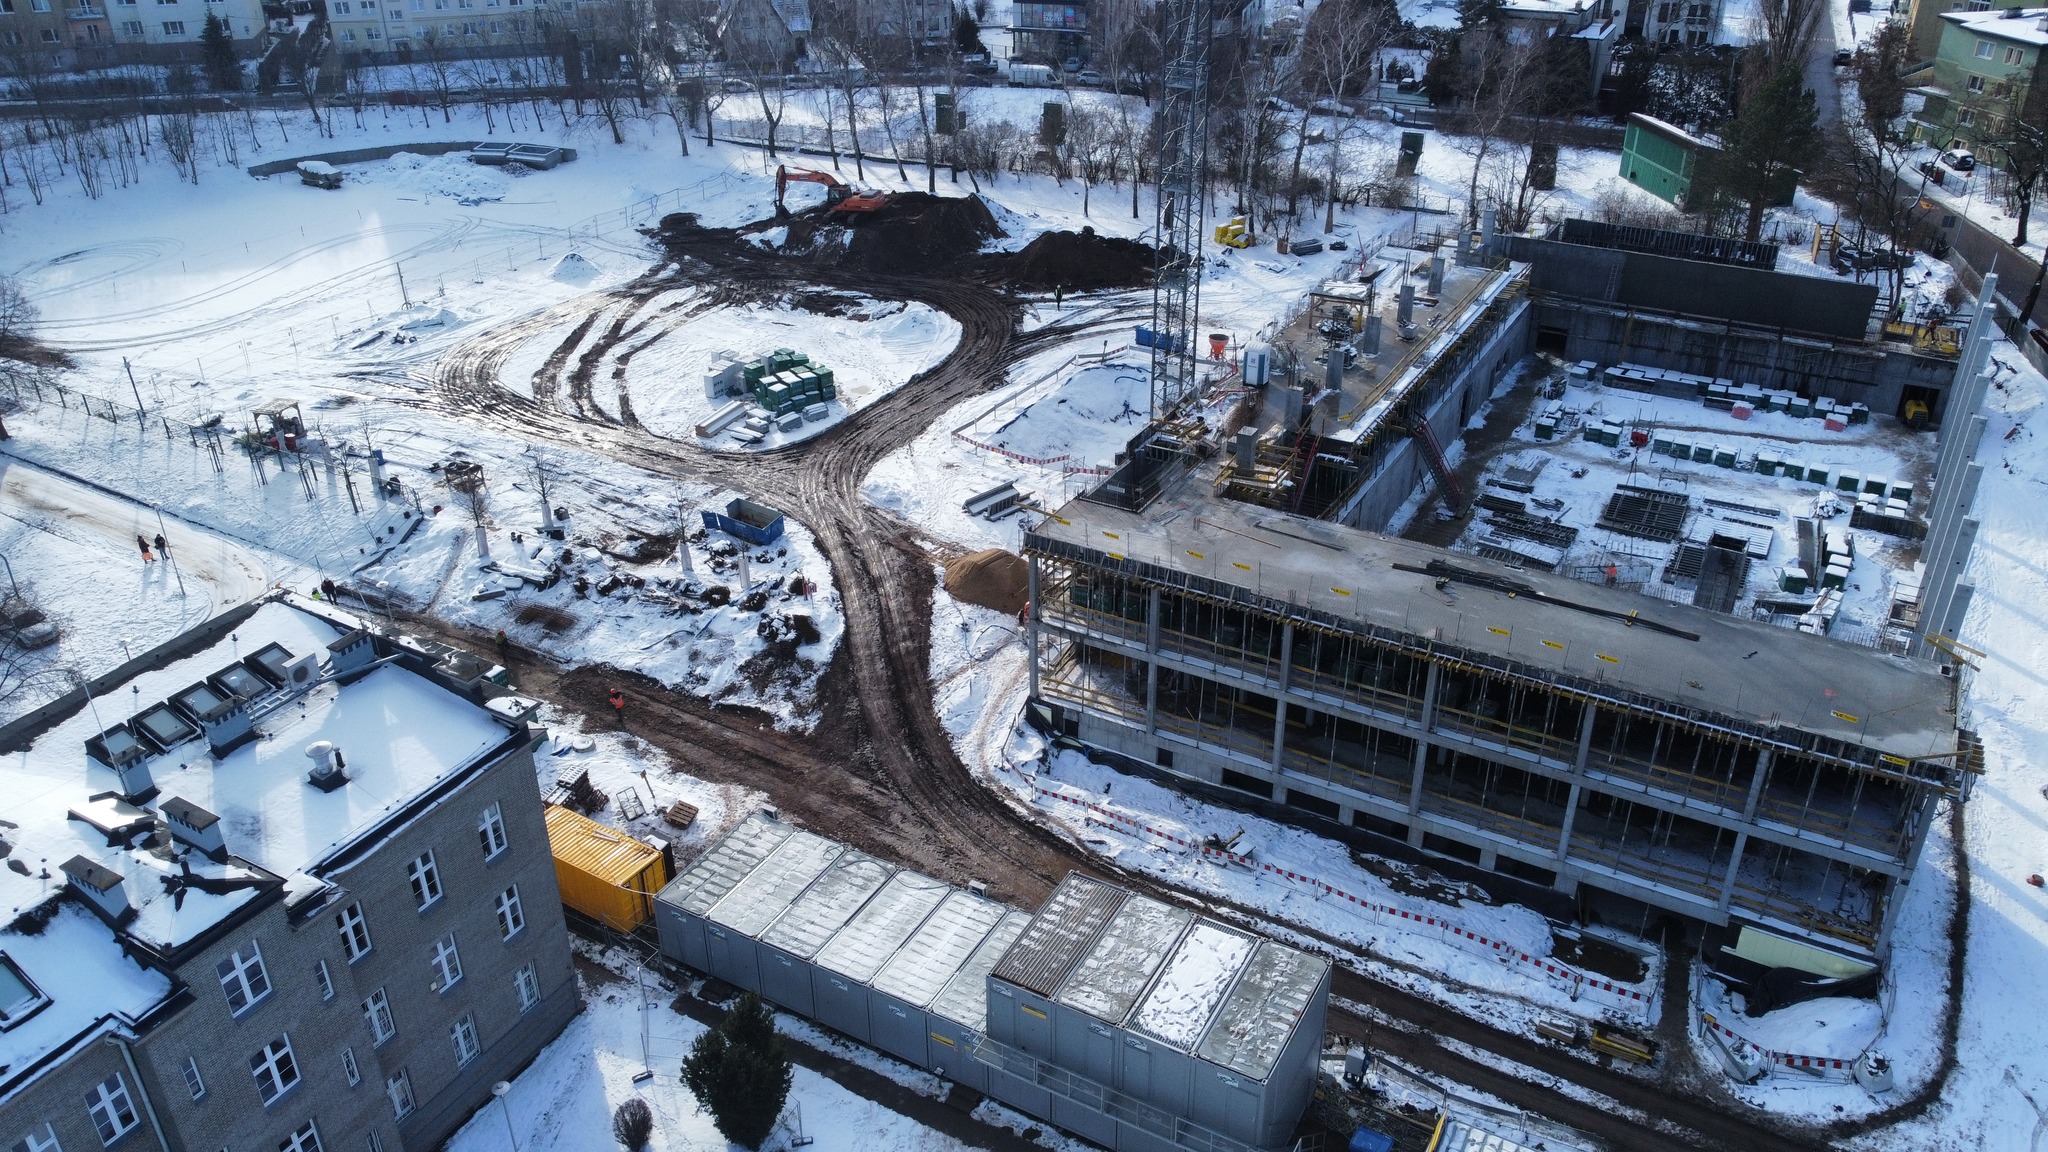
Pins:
x: 786, y: 383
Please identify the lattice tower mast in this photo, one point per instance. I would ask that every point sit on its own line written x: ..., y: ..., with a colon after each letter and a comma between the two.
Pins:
x: 1183, y: 171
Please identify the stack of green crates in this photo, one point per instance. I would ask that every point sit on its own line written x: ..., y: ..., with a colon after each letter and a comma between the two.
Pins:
x: 787, y: 381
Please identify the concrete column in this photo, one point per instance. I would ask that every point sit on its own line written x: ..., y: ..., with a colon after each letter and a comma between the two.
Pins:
x: 1727, y: 896
x: 1429, y: 698
x: 1585, y: 745
x: 1489, y: 219
x: 1030, y: 623
x: 1415, y: 782
x: 1571, y: 813
x: 1436, y: 275
x: 1369, y: 336
x: 1404, y: 310
x: 1152, y: 662
x: 1958, y: 607
x: 1756, y: 784
x: 1280, y: 696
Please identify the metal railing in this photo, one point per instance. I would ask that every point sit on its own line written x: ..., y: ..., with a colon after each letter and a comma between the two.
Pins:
x: 1104, y: 1099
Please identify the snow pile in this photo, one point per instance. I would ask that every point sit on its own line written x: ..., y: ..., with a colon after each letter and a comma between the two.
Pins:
x: 572, y: 268
x: 1091, y: 417
x: 450, y: 175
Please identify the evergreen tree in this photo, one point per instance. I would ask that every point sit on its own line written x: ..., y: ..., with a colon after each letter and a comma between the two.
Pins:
x: 740, y: 1073
x: 966, y: 32
x: 1775, y: 134
x: 217, y: 50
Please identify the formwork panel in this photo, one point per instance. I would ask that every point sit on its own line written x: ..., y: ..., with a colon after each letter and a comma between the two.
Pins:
x: 680, y: 908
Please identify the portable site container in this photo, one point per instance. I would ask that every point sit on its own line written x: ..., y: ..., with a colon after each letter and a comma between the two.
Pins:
x: 958, y: 1016
x: 732, y: 928
x: 1724, y: 457
x: 1859, y: 413
x: 1901, y: 491
x: 680, y: 909
x: 1021, y: 988
x: 1766, y: 464
x: 1106, y: 984
x: 839, y: 978
x: 1778, y: 401
x: 1156, y: 1063
x: 1876, y: 486
x: 901, y: 993
x: 1259, y: 1054
x: 604, y: 873
x: 1848, y: 482
x: 1703, y: 453
x: 1799, y: 406
x: 1817, y: 474
x: 789, y: 944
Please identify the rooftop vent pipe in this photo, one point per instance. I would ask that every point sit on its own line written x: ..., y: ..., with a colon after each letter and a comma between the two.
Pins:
x: 330, y: 771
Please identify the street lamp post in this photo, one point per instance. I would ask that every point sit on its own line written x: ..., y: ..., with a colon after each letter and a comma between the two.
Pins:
x: 165, y: 532
x: 503, y: 1089
x: 10, y: 575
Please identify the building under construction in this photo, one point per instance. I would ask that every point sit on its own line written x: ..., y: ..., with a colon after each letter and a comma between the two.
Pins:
x: 1217, y: 618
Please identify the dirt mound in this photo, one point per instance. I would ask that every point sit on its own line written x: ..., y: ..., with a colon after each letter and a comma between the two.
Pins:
x: 990, y: 578
x: 919, y: 233
x: 1080, y: 261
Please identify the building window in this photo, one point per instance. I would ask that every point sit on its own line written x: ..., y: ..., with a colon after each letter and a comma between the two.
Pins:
x: 528, y: 986
x: 274, y: 1069
x: 1966, y: 117
x: 340, y: 7
x: 306, y: 1139
x: 373, y: 34
x: 350, y: 1068
x: 376, y: 1145
x: 490, y: 828
x: 131, y: 27
x: 174, y: 27
x: 1975, y: 84
x: 348, y: 35
x: 39, y: 5
x: 510, y: 917
x: 447, y: 962
x: 45, y: 1140
x: 50, y: 36
x: 355, y: 932
x: 426, y: 880
x: 377, y: 1009
x: 463, y: 1036
x: 399, y: 1088
x: 1985, y: 48
x: 7, y: 9
x: 112, y: 1112
x: 323, y: 979
x: 2012, y: 56
x: 194, y: 1083
x: 242, y: 978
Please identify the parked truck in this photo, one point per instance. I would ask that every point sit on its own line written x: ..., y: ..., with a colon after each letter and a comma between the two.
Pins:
x: 1033, y: 76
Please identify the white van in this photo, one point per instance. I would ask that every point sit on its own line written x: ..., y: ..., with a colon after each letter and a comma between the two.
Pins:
x: 1033, y: 76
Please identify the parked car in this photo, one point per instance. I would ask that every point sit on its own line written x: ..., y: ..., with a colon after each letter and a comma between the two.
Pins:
x: 1072, y: 65
x: 1960, y: 159
x: 1849, y: 259
x: 1843, y: 56
x: 1089, y: 76
x: 25, y: 624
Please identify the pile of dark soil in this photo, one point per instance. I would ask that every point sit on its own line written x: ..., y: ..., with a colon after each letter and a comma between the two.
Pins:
x: 916, y: 233
x: 1079, y: 261
x: 990, y: 578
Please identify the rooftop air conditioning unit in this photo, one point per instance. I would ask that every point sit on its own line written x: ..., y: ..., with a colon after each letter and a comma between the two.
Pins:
x: 302, y: 673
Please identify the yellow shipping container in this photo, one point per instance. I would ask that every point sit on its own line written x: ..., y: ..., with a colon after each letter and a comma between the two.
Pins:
x: 604, y: 873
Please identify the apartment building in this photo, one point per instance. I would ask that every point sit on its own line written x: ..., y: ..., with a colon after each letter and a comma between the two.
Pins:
x: 1682, y: 23
x: 283, y: 882
x: 1986, y: 60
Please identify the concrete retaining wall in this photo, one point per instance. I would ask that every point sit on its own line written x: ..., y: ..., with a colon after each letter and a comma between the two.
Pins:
x: 359, y: 155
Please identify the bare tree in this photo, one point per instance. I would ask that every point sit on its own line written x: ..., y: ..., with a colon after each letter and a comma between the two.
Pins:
x: 1337, y: 52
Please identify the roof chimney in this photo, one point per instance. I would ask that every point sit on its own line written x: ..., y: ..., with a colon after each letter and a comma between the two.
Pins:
x: 128, y: 756
x: 101, y: 887
x: 193, y: 825
x: 330, y: 771
x: 229, y: 730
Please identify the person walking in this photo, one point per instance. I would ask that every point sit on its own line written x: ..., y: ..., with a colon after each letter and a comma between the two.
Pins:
x: 618, y: 703
x: 163, y: 546
x: 143, y: 546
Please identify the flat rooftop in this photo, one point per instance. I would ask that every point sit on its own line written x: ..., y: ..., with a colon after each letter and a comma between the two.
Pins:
x: 1744, y: 670
x: 63, y: 815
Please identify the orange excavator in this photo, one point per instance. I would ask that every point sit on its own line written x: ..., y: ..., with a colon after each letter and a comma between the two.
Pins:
x: 839, y: 196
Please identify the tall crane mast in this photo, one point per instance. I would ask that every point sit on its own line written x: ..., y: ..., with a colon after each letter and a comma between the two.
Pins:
x: 1183, y: 198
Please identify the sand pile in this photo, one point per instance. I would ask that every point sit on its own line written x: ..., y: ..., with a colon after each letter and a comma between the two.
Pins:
x: 990, y: 578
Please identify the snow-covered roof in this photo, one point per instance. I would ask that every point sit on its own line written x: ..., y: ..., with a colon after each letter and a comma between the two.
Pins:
x: 1180, y: 1004
x: 1060, y: 934
x: 91, y: 988
x: 1263, y: 1009
x: 775, y: 883
x: 871, y: 937
x: 828, y: 904
x: 921, y: 968
x: 2020, y: 25
x: 730, y: 861
x: 964, y: 999
x: 1109, y: 978
x: 138, y: 842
